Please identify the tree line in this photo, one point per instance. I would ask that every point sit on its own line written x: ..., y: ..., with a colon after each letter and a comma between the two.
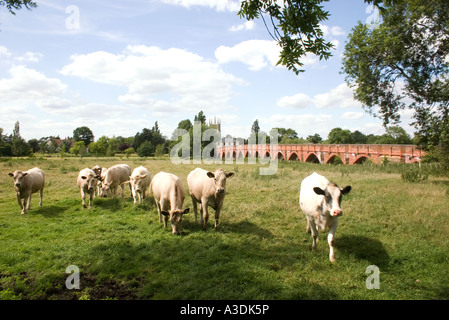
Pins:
x: 151, y: 142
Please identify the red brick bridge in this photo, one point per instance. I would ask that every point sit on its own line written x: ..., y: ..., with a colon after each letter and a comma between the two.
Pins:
x: 325, y: 153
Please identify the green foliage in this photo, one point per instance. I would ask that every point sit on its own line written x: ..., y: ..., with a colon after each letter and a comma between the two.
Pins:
x: 414, y: 175
x: 402, y: 64
x: 83, y: 134
x: 12, y: 5
x: 146, y: 149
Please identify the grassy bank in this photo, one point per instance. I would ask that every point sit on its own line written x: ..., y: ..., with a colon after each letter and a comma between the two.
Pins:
x: 260, y: 251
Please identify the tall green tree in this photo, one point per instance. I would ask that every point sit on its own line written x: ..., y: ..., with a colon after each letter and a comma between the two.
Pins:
x: 19, y: 146
x: 403, y: 64
x: 83, y: 134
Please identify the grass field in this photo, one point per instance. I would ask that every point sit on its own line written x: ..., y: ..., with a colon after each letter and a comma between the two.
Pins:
x: 260, y: 250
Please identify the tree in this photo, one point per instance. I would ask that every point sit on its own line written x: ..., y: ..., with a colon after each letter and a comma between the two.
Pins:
x: 78, y: 148
x: 295, y: 25
x: 339, y: 136
x: 100, y: 147
x: 146, y: 149
x: 201, y: 117
x: 402, y: 64
x: 12, y: 5
x: 83, y: 134
x: 316, y: 138
x: 19, y: 146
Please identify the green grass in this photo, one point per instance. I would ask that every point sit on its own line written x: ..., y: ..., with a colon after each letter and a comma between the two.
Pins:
x: 260, y: 250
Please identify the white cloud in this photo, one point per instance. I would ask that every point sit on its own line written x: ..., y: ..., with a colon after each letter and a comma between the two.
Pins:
x: 219, y: 5
x: 159, y: 80
x: 298, y: 101
x: 352, y: 115
x: 248, y: 25
x: 256, y: 54
x: 339, y: 97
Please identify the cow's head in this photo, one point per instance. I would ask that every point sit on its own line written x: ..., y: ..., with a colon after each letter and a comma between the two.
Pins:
x: 105, y: 189
x: 332, y: 196
x: 91, y: 182
x: 219, y: 177
x: 137, y: 182
x: 175, y: 217
x: 18, y: 177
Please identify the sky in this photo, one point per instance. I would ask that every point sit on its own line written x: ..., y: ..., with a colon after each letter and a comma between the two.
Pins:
x: 119, y: 66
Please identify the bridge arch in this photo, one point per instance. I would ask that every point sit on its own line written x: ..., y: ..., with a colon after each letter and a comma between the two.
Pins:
x: 293, y: 157
x: 312, y: 158
x: 280, y: 156
x: 334, y: 159
x: 360, y: 160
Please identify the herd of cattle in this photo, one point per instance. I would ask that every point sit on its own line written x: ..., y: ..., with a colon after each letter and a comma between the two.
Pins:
x: 319, y: 199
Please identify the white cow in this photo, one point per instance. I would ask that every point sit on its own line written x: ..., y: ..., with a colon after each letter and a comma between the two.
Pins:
x: 114, y: 177
x: 209, y: 189
x: 140, y: 181
x: 87, y: 182
x: 169, y: 194
x: 320, y: 201
x: 99, y: 171
x: 26, y: 183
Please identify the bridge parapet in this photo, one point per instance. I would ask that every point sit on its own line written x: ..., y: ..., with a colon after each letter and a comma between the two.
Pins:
x: 326, y: 153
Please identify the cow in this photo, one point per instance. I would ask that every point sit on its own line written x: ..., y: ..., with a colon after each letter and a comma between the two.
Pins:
x: 208, y: 189
x: 99, y: 171
x: 87, y: 182
x: 26, y: 183
x: 114, y: 177
x: 169, y: 194
x: 139, y: 181
x: 320, y: 200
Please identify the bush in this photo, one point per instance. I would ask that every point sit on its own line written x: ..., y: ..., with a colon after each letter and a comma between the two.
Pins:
x: 146, y: 149
x: 414, y: 175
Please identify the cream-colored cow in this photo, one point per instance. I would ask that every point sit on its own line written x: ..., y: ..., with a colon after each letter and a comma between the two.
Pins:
x: 26, y: 183
x: 169, y: 194
x: 208, y: 189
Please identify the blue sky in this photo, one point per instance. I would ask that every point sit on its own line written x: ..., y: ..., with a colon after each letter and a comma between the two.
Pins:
x: 119, y: 66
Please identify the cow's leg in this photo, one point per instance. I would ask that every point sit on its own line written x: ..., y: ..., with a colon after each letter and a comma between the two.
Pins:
x: 205, y: 213
x: 91, y: 198
x: 330, y: 240
x: 29, y: 202
x: 19, y: 200
x: 25, y: 205
x: 41, y: 194
x: 195, y: 207
x: 158, y: 206
x: 217, y: 216
x: 308, y: 226
x: 83, y: 198
x: 314, y: 231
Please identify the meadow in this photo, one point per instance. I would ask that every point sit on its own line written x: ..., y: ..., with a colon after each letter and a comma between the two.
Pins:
x: 260, y: 250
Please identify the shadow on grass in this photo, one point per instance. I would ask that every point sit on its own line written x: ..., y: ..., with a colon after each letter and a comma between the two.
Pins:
x: 112, y: 204
x: 364, y: 248
x: 49, y: 211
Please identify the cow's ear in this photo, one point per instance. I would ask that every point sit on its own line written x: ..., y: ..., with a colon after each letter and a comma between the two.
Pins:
x: 25, y: 173
x: 319, y: 191
x: 346, y: 190
x: 83, y: 177
x: 210, y: 174
x: 165, y: 213
x: 144, y: 176
x: 229, y: 174
x: 186, y: 211
x: 11, y: 174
